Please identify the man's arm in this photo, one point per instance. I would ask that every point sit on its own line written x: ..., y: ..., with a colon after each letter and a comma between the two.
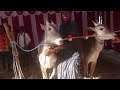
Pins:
x: 49, y: 51
x: 116, y: 40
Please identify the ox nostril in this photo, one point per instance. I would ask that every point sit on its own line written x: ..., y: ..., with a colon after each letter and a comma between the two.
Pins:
x: 115, y: 35
x: 61, y: 41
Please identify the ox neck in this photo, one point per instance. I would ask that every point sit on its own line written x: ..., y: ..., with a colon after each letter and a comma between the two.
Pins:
x: 99, y: 41
x: 50, y: 44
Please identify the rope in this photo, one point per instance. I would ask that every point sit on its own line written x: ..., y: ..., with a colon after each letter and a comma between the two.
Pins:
x: 80, y: 37
x: 16, y: 65
x: 31, y: 49
x: 117, y: 31
x: 63, y: 39
x: 43, y: 44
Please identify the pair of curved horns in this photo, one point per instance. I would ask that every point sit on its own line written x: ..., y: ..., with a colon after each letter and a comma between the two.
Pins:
x: 95, y: 23
x: 47, y: 24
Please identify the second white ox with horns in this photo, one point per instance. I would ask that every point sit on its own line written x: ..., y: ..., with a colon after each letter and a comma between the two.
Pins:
x: 51, y: 39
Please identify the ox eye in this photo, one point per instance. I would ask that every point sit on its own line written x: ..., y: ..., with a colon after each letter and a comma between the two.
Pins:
x: 101, y: 28
x: 49, y: 29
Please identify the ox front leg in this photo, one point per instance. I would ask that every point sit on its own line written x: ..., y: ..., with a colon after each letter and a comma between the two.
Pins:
x: 53, y: 72
x: 44, y: 73
x: 92, y: 69
x: 85, y: 70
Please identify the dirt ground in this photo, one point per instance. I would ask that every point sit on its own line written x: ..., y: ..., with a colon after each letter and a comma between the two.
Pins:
x: 104, y: 70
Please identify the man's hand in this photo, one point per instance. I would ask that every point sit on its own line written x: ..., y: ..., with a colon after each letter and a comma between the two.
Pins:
x: 116, y: 40
x: 5, y: 24
x: 48, y: 51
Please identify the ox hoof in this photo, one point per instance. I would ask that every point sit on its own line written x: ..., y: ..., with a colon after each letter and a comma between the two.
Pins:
x: 86, y: 78
x: 96, y: 77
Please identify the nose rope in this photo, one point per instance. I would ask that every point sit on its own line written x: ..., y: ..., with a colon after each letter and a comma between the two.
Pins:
x: 84, y: 36
x: 117, y: 31
x: 31, y: 49
x: 87, y: 36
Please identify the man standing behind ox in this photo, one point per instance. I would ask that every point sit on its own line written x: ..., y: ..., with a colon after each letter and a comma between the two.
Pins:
x: 5, y: 50
x: 23, y: 39
x: 69, y: 56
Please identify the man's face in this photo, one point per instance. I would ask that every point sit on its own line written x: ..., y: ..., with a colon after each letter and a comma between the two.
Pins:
x: 21, y: 29
x: 66, y: 15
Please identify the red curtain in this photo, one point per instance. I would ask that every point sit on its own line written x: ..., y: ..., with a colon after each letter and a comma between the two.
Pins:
x: 15, y: 26
x: 39, y: 19
x: 78, y: 19
x: 109, y: 43
x: 90, y: 18
x: 52, y: 18
x: 116, y: 22
x: 4, y: 20
x: 28, y: 29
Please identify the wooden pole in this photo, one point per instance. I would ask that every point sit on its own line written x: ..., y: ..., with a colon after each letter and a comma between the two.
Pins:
x: 14, y: 50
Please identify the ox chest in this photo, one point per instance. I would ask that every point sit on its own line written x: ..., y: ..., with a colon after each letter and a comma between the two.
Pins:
x: 95, y: 52
x: 47, y: 61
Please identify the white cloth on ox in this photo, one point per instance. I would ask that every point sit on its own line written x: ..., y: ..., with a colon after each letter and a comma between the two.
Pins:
x: 69, y: 69
x: 47, y: 61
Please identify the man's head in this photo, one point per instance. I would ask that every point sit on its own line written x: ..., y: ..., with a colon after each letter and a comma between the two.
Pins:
x: 66, y: 15
x: 22, y: 29
x: 2, y: 29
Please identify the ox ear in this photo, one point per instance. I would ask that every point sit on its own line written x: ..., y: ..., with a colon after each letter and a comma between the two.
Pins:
x: 47, y: 23
x: 95, y: 23
x: 43, y: 27
x: 53, y: 23
x: 91, y: 29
